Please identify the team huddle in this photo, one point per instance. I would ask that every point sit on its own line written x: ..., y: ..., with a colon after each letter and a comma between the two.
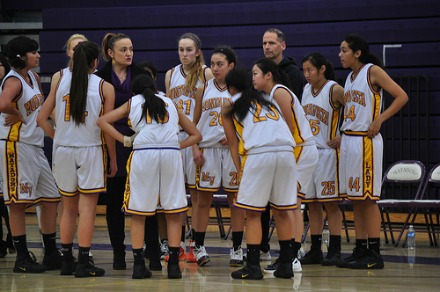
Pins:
x: 269, y: 140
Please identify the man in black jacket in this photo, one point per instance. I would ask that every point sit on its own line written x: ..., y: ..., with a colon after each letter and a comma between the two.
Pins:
x: 274, y: 43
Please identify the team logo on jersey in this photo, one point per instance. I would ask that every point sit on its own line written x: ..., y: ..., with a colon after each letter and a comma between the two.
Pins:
x: 208, y: 178
x: 25, y: 188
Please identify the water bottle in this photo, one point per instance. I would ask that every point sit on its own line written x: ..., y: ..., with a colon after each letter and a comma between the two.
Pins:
x: 411, y: 238
x: 411, y: 257
x: 325, y: 235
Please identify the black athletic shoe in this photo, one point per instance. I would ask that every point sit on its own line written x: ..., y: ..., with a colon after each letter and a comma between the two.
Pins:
x: 88, y: 270
x: 67, y: 267
x: 284, y: 270
x: 140, y: 271
x: 371, y: 261
x: 28, y: 265
x: 332, y: 258
x: 119, y: 261
x: 313, y: 257
x: 357, y: 254
x: 53, y: 260
x: 174, y: 272
x: 155, y: 265
x: 270, y: 269
x: 248, y: 273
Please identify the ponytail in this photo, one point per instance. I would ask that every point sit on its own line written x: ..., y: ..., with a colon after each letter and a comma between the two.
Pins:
x: 84, y: 56
x: 356, y: 43
x: 154, y: 107
x: 318, y: 60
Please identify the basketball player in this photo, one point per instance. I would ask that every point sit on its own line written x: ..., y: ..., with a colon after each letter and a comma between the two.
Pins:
x: 270, y: 80
x: 215, y: 167
x: 181, y: 83
x: 79, y: 166
x: 156, y: 121
x: 362, y: 146
x: 322, y: 101
x: 267, y: 167
x: 27, y: 178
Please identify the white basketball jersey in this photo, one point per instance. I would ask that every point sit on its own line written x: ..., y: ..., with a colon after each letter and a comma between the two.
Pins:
x: 68, y: 133
x: 152, y: 134
x: 28, y: 103
x: 362, y: 103
x: 302, y: 134
x: 183, y: 97
x: 262, y: 130
x: 210, y: 123
x: 321, y: 113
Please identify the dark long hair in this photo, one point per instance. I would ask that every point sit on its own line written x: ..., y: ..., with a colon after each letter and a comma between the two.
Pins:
x: 356, y: 43
x: 153, y: 106
x: 84, y: 56
x: 318, y: 60
x: 278, y: 75
x: 240, y: 79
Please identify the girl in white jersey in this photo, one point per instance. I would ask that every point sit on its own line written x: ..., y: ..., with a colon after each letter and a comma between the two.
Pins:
x: 156, y: 121
x: 267, y: 168
x: 322, y: 100
x: 268, y: 78
x: 362, y: 146
x: 215, y: 168
x: 27, y: 178
x: 181, y: 83
x: 79, y: 166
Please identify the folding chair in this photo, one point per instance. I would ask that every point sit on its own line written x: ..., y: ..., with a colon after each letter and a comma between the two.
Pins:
x: 429, y: 202
x: 405, y: 175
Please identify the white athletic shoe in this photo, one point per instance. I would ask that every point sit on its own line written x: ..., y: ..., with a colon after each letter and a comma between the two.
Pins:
x: 296, y: 266
x: 236, y: 257
x: 164, y: 250
x: 265, y: 256
x: 201, y: 256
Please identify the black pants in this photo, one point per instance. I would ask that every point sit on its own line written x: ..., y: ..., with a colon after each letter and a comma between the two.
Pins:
x: 115, y: 217
x: 116, y: 220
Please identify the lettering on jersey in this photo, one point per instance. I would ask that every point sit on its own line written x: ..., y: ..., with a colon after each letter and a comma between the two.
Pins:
x: 25, y: 189
x: 182, y: 90
x: 318, y: 112
x: 12, y: 172
x: 368, y: 174
x: 216, y: 102
x: 33, y: 104
x: 355, y: 96
x: 208, y: 178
